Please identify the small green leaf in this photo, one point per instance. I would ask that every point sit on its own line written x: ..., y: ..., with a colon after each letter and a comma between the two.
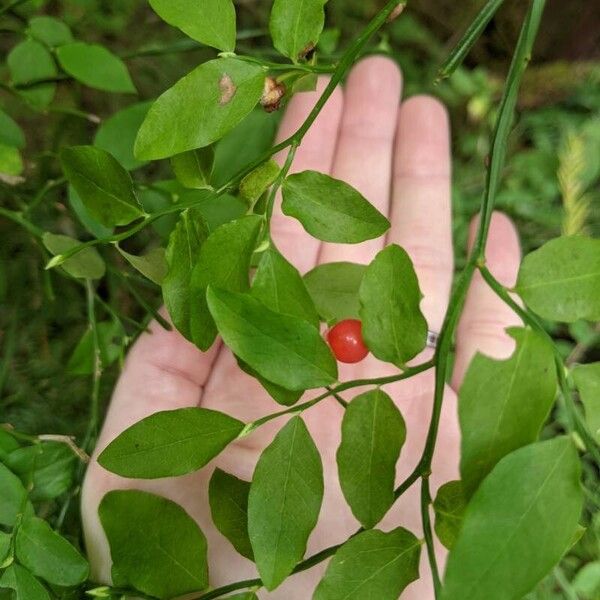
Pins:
x: 228, y: 497
x: 209, y: 102
x: 293, y: 353
x: 224, y: 262
x: 12, y: 498
x: 104, y: 186
x: 277, y: 392
x: 95, y: 66
x: 449, y: 506
x: 587, y: 581
x: 210, y: 22
x: 518, y: 395
x: 24, y: 584
x: 170, y: 443
x: 7, y: 444
x: 279, y: 286
x: 86, y: 264
x: 193, y: 169
x: 111, y: 341
x: 518, y: 524
x: 155, y: 546
x: 152, y: 265
x: 50, y: 31
x: 334, y: 290
x: 117, y: 133
x: 284, y: 503
x: 182, y: 254
x: 372, y: 564
x: 296, y: 26
x: 561, y: 280
x: 48, y: 555
x: 5, y: 542
x: 256, y: 183
x: 587, y: 380
x: 330, y: 209
x: 373, y: 432
x: 29, y: 62
x: 393, y: 326
x: 11, y: 133
x: 85, y: 218
x: 11, y: 163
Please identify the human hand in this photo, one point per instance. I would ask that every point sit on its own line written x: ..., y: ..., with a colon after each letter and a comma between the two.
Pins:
x: 397, y: 155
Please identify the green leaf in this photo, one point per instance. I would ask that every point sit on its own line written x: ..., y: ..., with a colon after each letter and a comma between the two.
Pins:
x: 279, y: 286
x: 152, y: 265
x: 334, y: 290
x: 256, y: 183
x: 209, y: 102
x: 24, y: 584
x: 7, y: 444
x: 372, y: 564
x: 373, y: 432
x: 86, y: 264
x: 518, y: 524
x: 296, y: 26
x: 587, y: 380
x: 330, y: 209
x: 5, y: 542
x: 117, y: 133
x: 11, y: 163
x: 293, y: 353
x: 243, y: 596
x: 11, y: 133
x: 277, y: 392
x: 29, y: 62
x: 224, y: 262
x: 170, y: 443
x: 561, y: 280
x: 104, y: 186
x: 518, y: 395
x: 449, y: 506
x: 193, y: 169
x: 50, y: 31
x: 85, y: 218
x: 95, y: 66
x: 49, y: 467
x: 48, y: 555
x: 228, y: 497
x: 155, y: 546
x: 210, y: 22
x: 182, y: 254
x: 111, y: 341
x: 284, y: 503
x: 12, y: 498
x: 587, y: 581
x: 393, y: 326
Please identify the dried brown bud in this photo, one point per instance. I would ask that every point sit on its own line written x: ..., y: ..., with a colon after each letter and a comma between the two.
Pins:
x: 272, y: 95
x: 396, y: 12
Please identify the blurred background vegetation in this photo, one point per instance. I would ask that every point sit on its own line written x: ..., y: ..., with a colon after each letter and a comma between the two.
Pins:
x: 551, y: 184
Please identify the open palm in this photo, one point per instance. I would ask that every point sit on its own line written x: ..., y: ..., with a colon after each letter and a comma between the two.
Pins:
x: 397, y: 154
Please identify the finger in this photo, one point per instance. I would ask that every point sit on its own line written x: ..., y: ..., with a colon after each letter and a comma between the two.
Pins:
x: 485, y: 317
x: 315, y: 153
x: 421, y: 211
x: 365, y: 146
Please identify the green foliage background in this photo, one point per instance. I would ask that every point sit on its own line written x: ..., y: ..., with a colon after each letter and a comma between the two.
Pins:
x: 552, y: 181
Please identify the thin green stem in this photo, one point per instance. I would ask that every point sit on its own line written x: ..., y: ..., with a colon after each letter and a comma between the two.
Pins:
x: 17, y: 217
x: 39, y: 197
x: 279, y: 181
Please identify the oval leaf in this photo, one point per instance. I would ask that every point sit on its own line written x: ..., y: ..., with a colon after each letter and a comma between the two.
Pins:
x: 50, y: 31
x: 587, y: 380
x: 372, y: 564
x: 210, y: 22
x: 103, y: 185
x: 48, y: 555
x: 561, y: 280
x: 228, y: 497
x: 152, y: 265
x: 155, y: 546
x: 296, y: 26
x: 449, y: 507
x: 95, y: 66
x: 330, y: 209
x: 87, y: 264
x: 24, y: 584
x: 209, y: 102
x: 518, y: 524
x: 393, y: 326
x: 293, y: 353
x: 170, y: 443
x: 193, y: 169
x: 12, y: 497
x: 11, y: 133
x: 373, y: 432
x: 518, y: 395
x: 284, y: 503
x: 334, y: 290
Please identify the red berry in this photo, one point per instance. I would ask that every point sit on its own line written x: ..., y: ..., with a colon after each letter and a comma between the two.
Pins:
x: 346, y: 341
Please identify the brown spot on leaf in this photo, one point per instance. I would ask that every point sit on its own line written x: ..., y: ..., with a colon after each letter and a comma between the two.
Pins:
x: 227, y: 89
x: 307, y: 52
x: 272, y: 95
